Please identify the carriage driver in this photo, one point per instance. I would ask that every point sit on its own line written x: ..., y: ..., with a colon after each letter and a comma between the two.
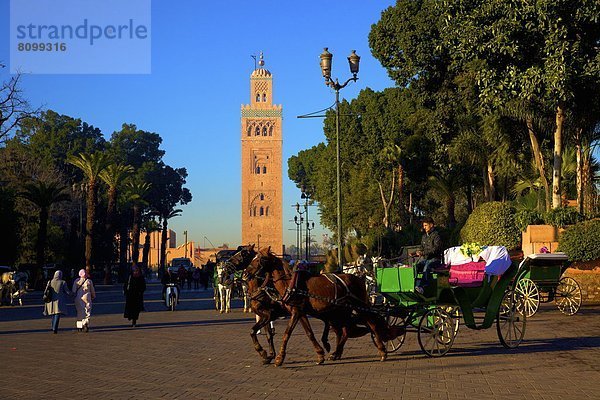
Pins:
x: 298, y: 281
x: 430, y: 254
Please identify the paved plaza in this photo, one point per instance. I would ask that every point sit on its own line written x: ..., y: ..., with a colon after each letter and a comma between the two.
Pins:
x: 197, y: 353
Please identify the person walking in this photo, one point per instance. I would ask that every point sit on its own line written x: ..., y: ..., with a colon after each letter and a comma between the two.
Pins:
x: 85, y: 293
x: 196, y: 278
x: 134, y: 295
x: 57, y: 306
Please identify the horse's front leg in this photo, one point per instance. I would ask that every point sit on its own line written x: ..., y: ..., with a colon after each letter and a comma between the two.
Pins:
x: 311, y: 336
x: 286, y: 336
x: 222, y: 299
x: 262, y: 320
x: 216, y: 296
x: 228, y: 299
x: 246, y: 298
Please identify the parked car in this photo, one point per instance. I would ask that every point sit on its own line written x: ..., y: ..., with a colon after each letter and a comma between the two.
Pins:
x: 184, y: 262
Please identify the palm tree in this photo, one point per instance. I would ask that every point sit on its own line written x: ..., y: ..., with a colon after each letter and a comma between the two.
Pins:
x: 533, y: 116
x: 113, y: 176
x: 135, y: 194
x: 445, y: 185
x: 91, y: 165
x: 391, y: 158
x: 151, y: 226
x: 529, y: 184
x: 165, y: 217
x: 43, y: 195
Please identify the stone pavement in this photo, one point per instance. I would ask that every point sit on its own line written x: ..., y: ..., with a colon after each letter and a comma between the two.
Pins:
x: 195, y: 353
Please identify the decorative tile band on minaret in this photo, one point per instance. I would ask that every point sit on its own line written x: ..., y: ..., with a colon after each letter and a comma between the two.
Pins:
x: 262, y: 182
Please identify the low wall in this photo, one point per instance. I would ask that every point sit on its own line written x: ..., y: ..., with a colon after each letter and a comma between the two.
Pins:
x: 589, y: 282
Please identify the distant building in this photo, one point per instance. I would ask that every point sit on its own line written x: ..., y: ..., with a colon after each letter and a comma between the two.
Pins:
x: 262, y: 187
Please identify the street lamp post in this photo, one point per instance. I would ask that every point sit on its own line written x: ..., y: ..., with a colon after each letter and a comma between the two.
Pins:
x: 186, y: 242
x: 300, y: 219
x: 298, y: 222
x: 306, y: 197
x: 354, y: 60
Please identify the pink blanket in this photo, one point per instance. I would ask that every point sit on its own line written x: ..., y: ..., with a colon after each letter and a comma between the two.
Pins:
x: 467, y: 275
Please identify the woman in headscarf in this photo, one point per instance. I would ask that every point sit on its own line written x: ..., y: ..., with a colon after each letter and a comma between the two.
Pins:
x: 58, y: 305
x: 85, y: 293
x: 134, y: 295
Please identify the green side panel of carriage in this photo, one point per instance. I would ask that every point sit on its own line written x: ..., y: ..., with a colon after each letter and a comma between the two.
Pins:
x: 395, y: 279
x: 544, y: 274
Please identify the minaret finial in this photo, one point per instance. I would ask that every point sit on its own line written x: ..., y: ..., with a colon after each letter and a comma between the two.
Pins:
x: 261, y: 62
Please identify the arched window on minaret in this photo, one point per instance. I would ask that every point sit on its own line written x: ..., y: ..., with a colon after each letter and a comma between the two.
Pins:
x: 258, y: 97
x: 262, y: 211
x: 262, y: 196
x: 264, y: 97
x: 264, y: 131
x: 249, y: 131
x: 257, y: 131
x: 258, y: 169
x: 271, y: 131
x: 264, y: 169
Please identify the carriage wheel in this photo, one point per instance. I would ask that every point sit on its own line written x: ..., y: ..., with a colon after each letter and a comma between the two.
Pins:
x: 511, y: 321
x: 568, y: 296
x: 436, y: 332
x: 454, y: 312
x: 527, y: 291
x: 394, y: 344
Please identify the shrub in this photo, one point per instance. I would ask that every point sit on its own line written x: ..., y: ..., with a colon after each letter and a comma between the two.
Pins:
x: 581, y: 242
x: 563, y: 216
x: 528, y: 217
x: 494, y: 224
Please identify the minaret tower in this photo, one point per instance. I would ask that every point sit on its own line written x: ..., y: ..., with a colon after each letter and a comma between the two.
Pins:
x: 262, y: 187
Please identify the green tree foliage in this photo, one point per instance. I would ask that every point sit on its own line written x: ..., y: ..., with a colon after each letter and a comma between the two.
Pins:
x: 369, y: 124
x: 51, y: 138
x: 43, y: 195
x: 544, y: 51
x: 492, y: 223
x: 581, y: 242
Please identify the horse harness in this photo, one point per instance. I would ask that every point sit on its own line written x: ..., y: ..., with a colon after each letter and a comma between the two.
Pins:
x: 272, y: 293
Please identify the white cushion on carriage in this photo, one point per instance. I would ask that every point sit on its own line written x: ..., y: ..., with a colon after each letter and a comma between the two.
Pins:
x: 546, y: 259
x: 497, y: 259
x: 453, y: 256
x: 558, y: 256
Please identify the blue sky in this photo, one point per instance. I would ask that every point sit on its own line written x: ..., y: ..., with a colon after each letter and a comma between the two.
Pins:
x: 201, y: 66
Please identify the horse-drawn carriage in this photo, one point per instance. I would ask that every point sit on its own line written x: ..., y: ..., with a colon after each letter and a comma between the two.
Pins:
x: 228, y: 282
x: 13, y: 285
x: 476, y: 293
x: 540, y: 280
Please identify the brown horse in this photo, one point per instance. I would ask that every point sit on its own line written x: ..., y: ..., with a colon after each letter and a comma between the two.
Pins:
x: 265, y: 308
x: 264, y: 303
x: 337, y: 299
